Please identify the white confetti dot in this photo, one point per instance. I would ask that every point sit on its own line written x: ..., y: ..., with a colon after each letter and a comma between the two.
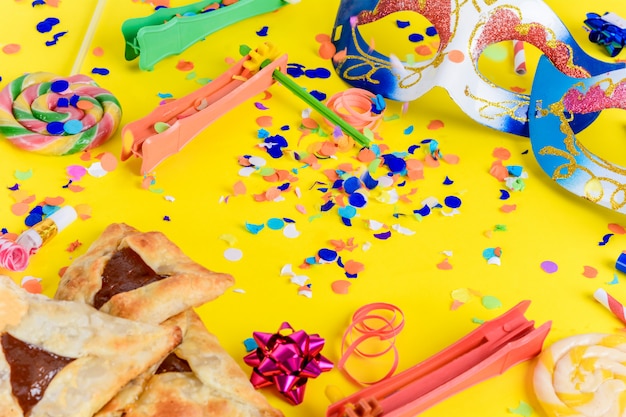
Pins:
x: 290, y: 231
x: 233, y: 254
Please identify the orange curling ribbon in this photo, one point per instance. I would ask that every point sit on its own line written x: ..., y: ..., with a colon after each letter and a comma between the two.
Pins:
x: 372, y: 321
x: 358, y: 107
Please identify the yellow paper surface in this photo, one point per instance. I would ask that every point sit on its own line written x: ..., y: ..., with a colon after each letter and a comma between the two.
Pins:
x: 196, y: 189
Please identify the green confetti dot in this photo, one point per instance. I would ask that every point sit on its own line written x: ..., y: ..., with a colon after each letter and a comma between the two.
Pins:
x: 490, y: 302
x: 161, y: 127
x: 523, y: 409
x: 23, y: 175
x: 496, y: 52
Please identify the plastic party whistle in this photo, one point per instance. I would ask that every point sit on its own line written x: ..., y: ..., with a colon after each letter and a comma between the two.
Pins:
x: 184, y: 118
x: 489, y: 350
x: 170, y: 31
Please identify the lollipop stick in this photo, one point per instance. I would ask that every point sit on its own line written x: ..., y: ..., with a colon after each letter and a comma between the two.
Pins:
x: 91, y: 30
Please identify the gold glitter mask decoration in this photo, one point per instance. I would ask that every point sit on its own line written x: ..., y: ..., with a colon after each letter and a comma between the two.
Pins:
x: 465, y: 29
x: 555, y: 100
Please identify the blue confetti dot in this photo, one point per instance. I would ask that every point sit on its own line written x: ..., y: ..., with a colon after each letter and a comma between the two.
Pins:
x: 55, y: 37
x: 369, y: 182
x: 394, y: 163
x: 59, y: 86
x: 63, y: 102
x: 55, y: 128
x: 295, y: 70
x: 250, y: 344
x: 413, y: 148
x: 32, y: 219
x: 254, y: 228
x: 38, y: 3
x: 46, y: 25
x: 447, y: 181
x: 327, y: 206
x: 403, y: 23
x: 408, y: 130
x: 275, y: 223
x: 100, y: 71
x: 357, y: 200
x: 452, y: 201
x: 504, y: 195
x: 317, y: 73
x: 285, y: 127
x: 346, y: 221
x: 351, y: 184
x: 347, y: 212
x: 73, y: 127
x: 424, y: 211
x: 431, y: 31
x: 318, y: 95
x: 327, y: 255
x: 416, y: 37
x: 263, y: 31
x: 74, y: 100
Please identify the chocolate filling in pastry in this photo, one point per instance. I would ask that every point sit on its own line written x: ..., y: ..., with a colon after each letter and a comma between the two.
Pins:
x: 173, y: 363
x: 32, y: 369
x: 125, y: 271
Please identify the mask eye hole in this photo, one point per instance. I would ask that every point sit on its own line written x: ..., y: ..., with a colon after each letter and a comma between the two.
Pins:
x: 497, y: 64
x: 406, y: 34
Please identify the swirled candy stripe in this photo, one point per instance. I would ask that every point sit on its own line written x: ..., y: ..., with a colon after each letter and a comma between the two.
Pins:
x: 583, y: 375
x: 45, y: 113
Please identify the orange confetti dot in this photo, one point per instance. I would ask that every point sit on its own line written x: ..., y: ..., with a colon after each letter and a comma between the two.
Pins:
x: 83, y: 211
x: 508, y: 208
x: 19, y: 209
x: 322, y: 37
x: 184, y: 65
x: 272, y: 193
x: 516, y: 89
x: 62, y: 271
x: 11, y: 48
x: 501, y: 153
x: 97, y: 51
x: 423, y: 50
x: 239, y: 188
x: 499, y: 171
x: 230, y: 60
x: 617, y: 229
x: 340, y: 55
x: 85, y: 156
x: 435, y: 124
x: 328, y: 149
x: 366, y: 155
x: 32, y: 286
x: 456, y: 304
x: 310, y: 123
x: 54, y: 201
x: 456, y: 56
x: 264, y: 121
x: 353, y: 267
x: 84, y: 104
x: 444, y: 265
x: 589, y: 272
x: 451, y: 158
x: 75, y: 188
x: 108, y: 161
x: 327, y: 50
x: 340, y: 286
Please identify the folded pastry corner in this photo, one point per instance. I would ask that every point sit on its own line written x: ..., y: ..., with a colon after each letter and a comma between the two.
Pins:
x: 139, y: 275
x: 199, y: 378
x: 67, y: 359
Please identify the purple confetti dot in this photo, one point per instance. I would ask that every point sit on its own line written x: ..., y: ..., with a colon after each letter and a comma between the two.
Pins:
x: 260, y: 106
x: 549, y: 267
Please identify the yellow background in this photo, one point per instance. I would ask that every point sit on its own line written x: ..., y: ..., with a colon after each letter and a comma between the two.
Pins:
x: 548, y: 224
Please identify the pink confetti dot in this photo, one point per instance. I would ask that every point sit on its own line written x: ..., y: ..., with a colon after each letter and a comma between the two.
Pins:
x: 549, y: 267
x: 11, y: 48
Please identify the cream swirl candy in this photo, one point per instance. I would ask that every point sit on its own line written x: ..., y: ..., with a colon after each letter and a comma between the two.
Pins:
x: 54, y: 115
x: 583, y: 375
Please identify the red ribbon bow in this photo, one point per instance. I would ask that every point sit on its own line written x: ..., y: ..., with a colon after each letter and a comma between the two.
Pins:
x: 287, y: 361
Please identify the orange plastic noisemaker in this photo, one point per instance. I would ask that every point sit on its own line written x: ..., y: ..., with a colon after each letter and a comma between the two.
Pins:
x: 491, y: 349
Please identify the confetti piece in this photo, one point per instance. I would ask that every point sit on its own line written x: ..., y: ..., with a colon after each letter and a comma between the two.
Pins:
x: 97, y: 51
x: 508, y: 208
x: 549, y: 267
x: 444, y: 265
x: 250, y: 344
x: 100, y: 71
x: 96, y: 170
x: 501, y: 153
x: 32, y: 285
x: 239, y: 188
x: 435, y: 125
x: 264, y: 121
x: 490, y: 302
x: 290, y: 231
x: 590, y: 272
x: 523, y: 409
x: 340, y: 286
x: 354, y: 267
x: 20, y: 209
x: 183, y: 65
x: 11, y: 48
x: 23, y: 175
x: 83, y: 211
x: 233, y: 254
x: 108, y: 161
x: 605, y: 239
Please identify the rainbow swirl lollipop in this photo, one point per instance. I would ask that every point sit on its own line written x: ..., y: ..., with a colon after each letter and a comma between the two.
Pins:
x: 49, y: 114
